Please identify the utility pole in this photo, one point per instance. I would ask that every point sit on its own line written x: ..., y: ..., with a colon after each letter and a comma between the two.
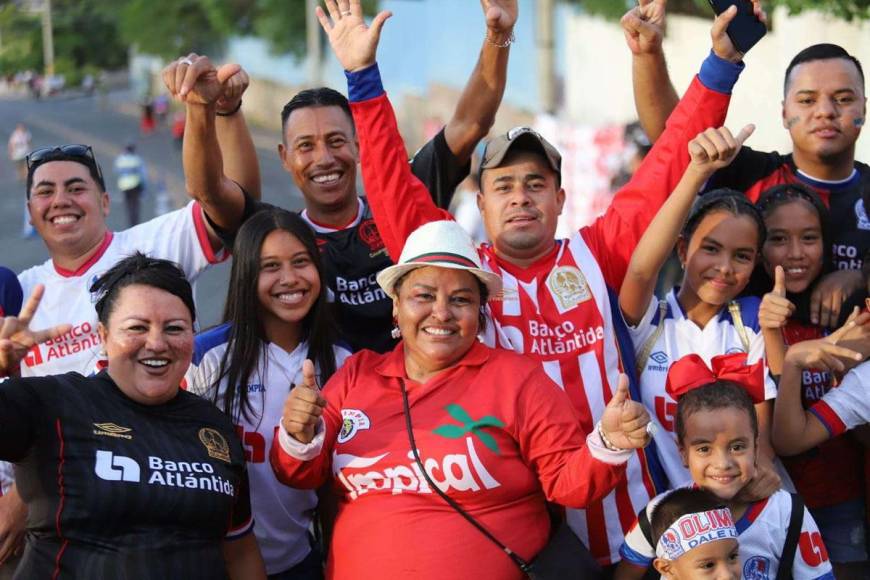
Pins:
x: 312, y: 37
x: 47, y: 39
x: 546, y: 13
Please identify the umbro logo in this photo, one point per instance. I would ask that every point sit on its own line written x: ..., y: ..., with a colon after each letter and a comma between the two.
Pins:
x: 658, y: 361
x: 659, y: 357
x: 112, y: 430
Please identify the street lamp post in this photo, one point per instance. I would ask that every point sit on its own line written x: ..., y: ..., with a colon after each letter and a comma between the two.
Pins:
x: 312, y: 37
x: 47, y: 39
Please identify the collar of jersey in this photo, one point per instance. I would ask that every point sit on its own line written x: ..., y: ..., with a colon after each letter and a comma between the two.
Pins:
x: 543, y: 265
x: 393, y: 364
x: 751, y: 515
x: 677, y: 308
x: 107, y: 239
x: 829, y: 185
x: 328, y: 229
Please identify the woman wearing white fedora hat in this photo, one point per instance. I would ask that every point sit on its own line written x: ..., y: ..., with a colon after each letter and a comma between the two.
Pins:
x: 444, y: 415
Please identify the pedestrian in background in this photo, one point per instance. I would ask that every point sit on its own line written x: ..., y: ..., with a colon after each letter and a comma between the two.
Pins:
x: 130, y: 169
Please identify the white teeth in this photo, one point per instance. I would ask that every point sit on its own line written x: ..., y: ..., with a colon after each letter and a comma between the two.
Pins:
x: 328, y: 178
x: 290, y: 297
x: 64, y: 219
x: 795, y: 270
x: 438, y: 331
x: 155, y: 362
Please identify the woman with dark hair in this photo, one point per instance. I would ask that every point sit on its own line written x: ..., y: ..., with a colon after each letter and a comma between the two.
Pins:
x: 443, y: 431
x: 795, y: 257
x: 126, y: 475
x: 276, y: 316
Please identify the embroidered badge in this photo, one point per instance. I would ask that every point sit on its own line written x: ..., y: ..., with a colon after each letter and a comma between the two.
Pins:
x: 470, y: 426
x: 569, y: 287
x: 861, y: 214
x: 352, y: 421
x: 215, y: 444
x: 369, y: 234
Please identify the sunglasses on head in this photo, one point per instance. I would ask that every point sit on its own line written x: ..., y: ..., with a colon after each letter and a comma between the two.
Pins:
x: 83, y: 153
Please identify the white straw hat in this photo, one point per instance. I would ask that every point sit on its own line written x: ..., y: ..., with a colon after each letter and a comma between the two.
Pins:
x: 443, y: 244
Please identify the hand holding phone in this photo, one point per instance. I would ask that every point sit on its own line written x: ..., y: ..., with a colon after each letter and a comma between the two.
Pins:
x: 746, y: 28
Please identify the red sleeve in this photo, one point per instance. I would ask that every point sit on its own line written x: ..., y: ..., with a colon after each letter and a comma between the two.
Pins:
x: 552, y: 442
x: 400, y: 202
x: 613, y: 237
x: 314, y: 473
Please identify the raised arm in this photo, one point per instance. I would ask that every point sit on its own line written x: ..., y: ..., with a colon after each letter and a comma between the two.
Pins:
x: 234, y: 138
x: 655, y: 97
x: 196, y: 82
x: 399, y: 201
x: 709, y: 151
x: 475, y: 112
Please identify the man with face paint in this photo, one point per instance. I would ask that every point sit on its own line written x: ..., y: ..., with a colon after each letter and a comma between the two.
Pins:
x: 824, y: 109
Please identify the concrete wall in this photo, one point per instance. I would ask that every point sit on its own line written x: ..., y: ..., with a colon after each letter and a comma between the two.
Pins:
x: 598, y: 69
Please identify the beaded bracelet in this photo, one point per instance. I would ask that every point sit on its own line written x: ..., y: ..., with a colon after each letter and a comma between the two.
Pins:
x: 230, y: 113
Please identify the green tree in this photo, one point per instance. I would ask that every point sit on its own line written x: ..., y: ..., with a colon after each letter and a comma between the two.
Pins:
x: 20, y: 33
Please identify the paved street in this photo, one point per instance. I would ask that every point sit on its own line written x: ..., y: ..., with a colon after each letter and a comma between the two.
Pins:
x: 80, y: 120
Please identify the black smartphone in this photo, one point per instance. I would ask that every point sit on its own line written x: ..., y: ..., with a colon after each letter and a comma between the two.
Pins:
x: 745, y: 30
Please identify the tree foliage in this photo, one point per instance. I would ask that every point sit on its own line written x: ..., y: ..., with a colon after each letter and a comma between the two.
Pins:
x: 846, y: 9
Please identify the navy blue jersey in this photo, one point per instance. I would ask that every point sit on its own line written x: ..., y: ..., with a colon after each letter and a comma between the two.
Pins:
x: 10, y: 293
x: 119, y: 490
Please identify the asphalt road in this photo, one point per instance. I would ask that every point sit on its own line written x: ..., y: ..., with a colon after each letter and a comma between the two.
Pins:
x: 108, y: 129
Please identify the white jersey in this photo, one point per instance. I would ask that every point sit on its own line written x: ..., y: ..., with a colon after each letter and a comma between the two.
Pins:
x: 282, y: 515
x: 762, y: 531
x: 848, y: 405
x: 19, y: 144
x: 677, y: 338
x: 180, y: 236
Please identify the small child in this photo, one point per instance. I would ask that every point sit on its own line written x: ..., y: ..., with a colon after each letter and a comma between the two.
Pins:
x: 696, y: 537
x: 717, y: 435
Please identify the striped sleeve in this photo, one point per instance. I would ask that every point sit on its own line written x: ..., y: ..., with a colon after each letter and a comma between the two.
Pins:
x: 846, y: 406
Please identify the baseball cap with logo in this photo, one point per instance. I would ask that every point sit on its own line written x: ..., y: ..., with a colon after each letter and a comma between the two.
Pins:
x: 524, y: 139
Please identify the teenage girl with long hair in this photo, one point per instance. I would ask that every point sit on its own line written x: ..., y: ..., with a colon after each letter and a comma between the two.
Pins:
x: 276, y: 316
x: 795, y: 256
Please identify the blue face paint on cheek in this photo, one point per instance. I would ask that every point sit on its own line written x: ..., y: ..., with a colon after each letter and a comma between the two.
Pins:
x: 792, y: 122
x: 859, y: 122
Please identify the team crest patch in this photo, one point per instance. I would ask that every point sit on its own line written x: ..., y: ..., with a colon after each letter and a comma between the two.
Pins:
x: 757, y: 568
x: 352, y: 421
x: 215, y: 444
x: 369, y: 234
x: 671, y: 543
x: 861, y: 215
x: 569, y: 287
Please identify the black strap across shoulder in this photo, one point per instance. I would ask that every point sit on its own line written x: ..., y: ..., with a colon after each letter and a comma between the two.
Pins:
x: 789, y: 549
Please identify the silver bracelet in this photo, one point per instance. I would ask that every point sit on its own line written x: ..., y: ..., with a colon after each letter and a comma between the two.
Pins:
x: 511, y: 39
x: 610, y: 446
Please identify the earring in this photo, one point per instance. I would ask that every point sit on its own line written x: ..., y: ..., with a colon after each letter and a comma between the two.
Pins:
x: 396, y: 333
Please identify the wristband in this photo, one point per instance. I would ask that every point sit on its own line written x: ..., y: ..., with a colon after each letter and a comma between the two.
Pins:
x: 511, y: 39
x: 230, y: 113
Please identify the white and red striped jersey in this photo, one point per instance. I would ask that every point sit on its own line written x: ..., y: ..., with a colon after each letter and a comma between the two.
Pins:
x: 559, y: 310
x: 282, y: 515
x: 846, y: 406
x: 762, y: 531
x: 678, y: 337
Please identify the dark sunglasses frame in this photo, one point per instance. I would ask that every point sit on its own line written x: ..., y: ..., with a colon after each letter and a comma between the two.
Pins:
x: 75, y: 151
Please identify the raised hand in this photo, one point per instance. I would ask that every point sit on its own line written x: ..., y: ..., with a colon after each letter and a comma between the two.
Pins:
x: 830, y: 293
x: 722, y: 45
x: 195, y: 80
x: 624, y: 421
x: 644, y: 26
x: 501, y: 15
x: 354, y: 43
x: 16, y: 337
x: 716, y: 148
x: 775, y: 309
x: 303, y: 407
x: 234, y: 87
x: 825, y: 354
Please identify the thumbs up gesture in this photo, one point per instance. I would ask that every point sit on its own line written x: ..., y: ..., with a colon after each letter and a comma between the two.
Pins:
x: 775, y: 309
x: 714, y: 149
x: 624, y: 421
x: 303, y: 407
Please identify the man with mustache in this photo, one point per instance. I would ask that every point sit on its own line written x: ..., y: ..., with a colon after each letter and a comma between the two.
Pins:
x: 824, y: 109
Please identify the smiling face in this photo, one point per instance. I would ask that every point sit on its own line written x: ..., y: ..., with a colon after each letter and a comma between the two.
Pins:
x: 67, y: 208
x: 794, y: 241
x: 438, y: 313
x: 718, y: 447
x: 719, y: 258
x: 149, y: 343
x: 717, y: 560
x: 521, y: 203
x: 824, y: 110
x: 287, y: 287
x: 321, y: 152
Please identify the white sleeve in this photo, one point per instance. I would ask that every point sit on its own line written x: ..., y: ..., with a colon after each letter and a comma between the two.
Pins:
x: 303, y: 451
x: 7, y: 477
x: 180, y: 236
x: 645, y: 328
x: 756, y: 352
x: 848, y: 405
x: 201, y: 378
x: 636, y: 549
x: 811, y: 557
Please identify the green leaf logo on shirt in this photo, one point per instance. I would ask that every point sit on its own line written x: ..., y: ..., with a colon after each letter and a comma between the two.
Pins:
x: 470, y: 426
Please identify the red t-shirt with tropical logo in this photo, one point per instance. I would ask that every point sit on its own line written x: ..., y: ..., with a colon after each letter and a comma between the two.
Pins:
x: 493, y: 432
